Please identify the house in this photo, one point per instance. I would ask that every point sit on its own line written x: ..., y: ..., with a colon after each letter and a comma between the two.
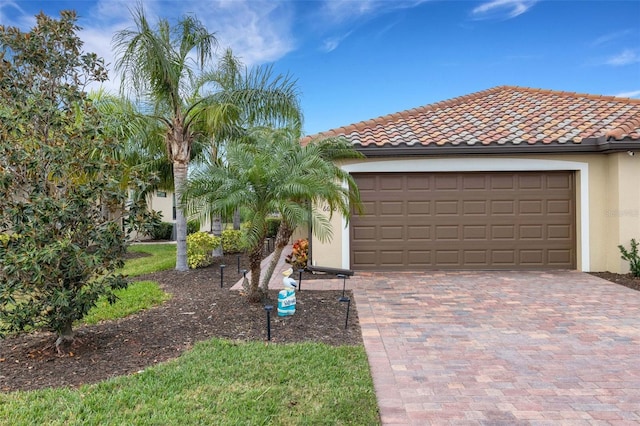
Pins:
x: 507, y: 178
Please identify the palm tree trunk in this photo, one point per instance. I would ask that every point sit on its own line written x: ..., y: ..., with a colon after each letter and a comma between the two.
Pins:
x: 282, y: 240
x: 236, y: 219
x: 179, y: 178
x: 255, y: 257
x: 216, y: 228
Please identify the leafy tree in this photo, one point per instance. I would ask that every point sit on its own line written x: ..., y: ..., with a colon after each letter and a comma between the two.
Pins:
x: 171, y: 71
x: 269, y: 171
x: 59, y: 251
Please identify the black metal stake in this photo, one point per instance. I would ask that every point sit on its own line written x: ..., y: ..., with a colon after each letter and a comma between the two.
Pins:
x: 300, y: 279
x: 244, y: 274
x: 344, y: 282
x: 221, y: 274
x: 268, y: 308
x: 348, y: 300
x: 238, y: 263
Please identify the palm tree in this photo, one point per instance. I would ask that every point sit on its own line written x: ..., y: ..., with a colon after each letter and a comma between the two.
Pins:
x: 170, y: 68
x: 269, y: 171
x: 317, y: 160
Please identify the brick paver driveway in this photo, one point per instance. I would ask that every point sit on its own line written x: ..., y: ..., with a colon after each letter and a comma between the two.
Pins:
x: 501, y: 347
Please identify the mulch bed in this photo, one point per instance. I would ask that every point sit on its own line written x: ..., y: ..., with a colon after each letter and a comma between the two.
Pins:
x: 626, y: 280
x: 198, y: 310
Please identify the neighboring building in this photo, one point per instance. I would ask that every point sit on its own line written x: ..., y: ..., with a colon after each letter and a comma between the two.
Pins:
x: 507, y: 178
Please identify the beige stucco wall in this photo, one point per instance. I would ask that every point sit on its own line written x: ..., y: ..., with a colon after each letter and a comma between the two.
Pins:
x: 607, y: 201
x: 163, y: 205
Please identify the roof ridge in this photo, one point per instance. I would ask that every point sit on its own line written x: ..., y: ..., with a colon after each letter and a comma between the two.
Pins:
x: 575, y: 94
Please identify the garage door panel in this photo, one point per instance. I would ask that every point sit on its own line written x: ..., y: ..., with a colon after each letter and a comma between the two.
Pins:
x: 392, y: 233
x: 530, y: 207
x: 365, y: 233
x: 559, y: 232
x: 446, y: 182
x: 493, y: 220
x: 418, y: 183
x: 477, y: 258
x: 530, y: 182
x: 393, y: 258
x: 559, y: 257
x: 418, y: 208
x: 502, y: 207
x: 531, y: 232
x: 447, y: 232
x: 474, y: 207
x: 446, y: 208
x: 419, y: 232
x: 562, y: 207
x: 502, y: 182
x: 448, y: 257
x: 532, y: 257
x: 474, y: 232
x: 503, y: 232
x: 419, y: 258
x: 391, y: 208
x: 473, y: 182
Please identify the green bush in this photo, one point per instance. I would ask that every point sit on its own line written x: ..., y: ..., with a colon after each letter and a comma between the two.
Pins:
x: 632, y: 257
x: 273, y: 224
x: 193, y: 226
x: 163, y: 231
x: 232, y: 241
x: 199, y: 247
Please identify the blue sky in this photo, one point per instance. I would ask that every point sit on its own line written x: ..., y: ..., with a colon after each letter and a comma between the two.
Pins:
x: 356, y: 60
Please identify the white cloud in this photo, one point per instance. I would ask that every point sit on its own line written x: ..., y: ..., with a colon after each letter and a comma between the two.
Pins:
x: 626, y: 57
x: 502, y: 9
x: 606, y: 38
x: 334, y: 15
x: 631, y: 94
x: 332, y: 43
x: 347, y: 10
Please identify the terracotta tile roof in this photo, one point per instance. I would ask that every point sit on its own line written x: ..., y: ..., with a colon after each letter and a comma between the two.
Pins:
x: 500, y: 116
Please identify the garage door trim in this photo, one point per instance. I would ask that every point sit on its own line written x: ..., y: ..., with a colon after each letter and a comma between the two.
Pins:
x: 488, y: 165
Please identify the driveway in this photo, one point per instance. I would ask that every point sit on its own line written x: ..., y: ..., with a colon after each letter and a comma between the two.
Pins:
x: 501, y: 347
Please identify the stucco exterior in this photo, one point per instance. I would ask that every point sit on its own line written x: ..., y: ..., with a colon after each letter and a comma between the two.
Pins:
x: 607, y: 200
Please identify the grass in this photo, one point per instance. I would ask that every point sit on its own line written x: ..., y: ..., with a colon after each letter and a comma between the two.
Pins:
x: 137, y: 296
x: 218, y: 382
x: 162, y: 257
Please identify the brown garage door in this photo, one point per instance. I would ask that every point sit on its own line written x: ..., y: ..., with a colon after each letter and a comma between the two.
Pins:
x: 496, y: 220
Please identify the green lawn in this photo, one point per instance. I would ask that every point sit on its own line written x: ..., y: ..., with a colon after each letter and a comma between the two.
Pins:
x: 221, y: 383
x: 162, y: 257
x: 138, y: 295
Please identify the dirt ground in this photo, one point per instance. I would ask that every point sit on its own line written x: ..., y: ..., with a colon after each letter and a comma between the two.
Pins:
x: 198, y: 310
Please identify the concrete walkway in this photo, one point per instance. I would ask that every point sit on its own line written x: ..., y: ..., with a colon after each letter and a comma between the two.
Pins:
x: 497, y: 348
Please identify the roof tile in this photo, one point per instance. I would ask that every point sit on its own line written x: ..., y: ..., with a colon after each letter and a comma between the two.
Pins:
x: 504, y: 114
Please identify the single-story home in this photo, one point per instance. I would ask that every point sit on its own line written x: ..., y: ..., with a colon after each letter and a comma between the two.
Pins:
x: 507, y: 178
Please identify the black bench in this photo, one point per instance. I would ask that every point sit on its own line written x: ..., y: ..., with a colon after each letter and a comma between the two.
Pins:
x: 332, y: 271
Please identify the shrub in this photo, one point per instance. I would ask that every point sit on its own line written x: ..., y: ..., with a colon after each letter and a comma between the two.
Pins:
x: 632, y: 257
x: 193, y: 226
x: 199, y: 248
x: 299, y: 255
x: 232, y: 241
x: 273, y: 223
x: 163, y: 231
